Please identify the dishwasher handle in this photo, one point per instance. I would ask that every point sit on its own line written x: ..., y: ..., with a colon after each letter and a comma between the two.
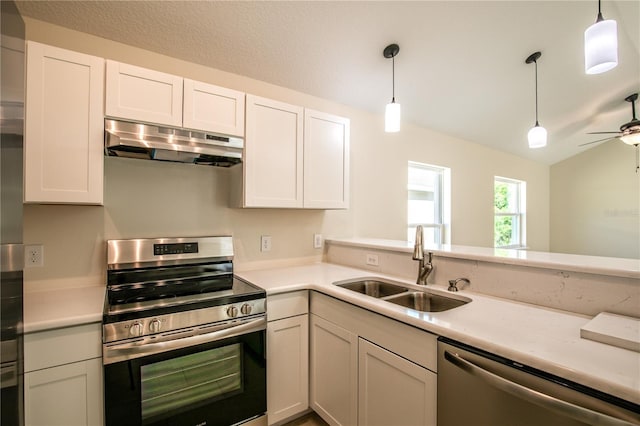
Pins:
x: 547, y: 401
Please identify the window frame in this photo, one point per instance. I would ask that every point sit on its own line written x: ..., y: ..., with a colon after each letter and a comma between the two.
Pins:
x: 440, y: 198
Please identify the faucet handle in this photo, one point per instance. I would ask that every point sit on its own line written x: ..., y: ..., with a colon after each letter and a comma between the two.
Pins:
x: 453, y: 283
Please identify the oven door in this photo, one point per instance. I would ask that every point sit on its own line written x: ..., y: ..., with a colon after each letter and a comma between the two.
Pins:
x: 218, y: 382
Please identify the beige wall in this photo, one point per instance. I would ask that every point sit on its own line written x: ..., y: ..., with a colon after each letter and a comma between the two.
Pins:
x: 595, y: 201
x: 151, y: 199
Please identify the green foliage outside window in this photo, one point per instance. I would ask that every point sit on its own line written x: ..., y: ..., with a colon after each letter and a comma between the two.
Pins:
x: 503, y: 225
x: 503, y: 231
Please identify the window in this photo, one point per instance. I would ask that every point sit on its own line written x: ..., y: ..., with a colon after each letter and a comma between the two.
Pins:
x: 428, y: 202
x: 510, y: 206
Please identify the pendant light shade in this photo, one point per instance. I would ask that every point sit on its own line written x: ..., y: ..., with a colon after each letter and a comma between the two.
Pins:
x: 537, y: 136
x: 601, y: 45
x: 392, y: 111
x: 392, y: 117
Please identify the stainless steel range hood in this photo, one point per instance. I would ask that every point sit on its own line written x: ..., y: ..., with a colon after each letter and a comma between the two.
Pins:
x: 149, y: 142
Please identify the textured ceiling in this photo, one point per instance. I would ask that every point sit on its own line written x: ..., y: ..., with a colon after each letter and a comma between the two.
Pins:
x: 460, y: 69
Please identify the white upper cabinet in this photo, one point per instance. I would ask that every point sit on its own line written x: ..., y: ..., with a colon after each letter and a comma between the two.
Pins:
x: 139, y: 94
x: 64, y: 126
x: 293, y: 158
x: 272, y: 162
x: 326, y: 160
x: 213, y: 108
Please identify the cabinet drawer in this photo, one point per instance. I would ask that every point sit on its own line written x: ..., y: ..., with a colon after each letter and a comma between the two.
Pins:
x: 287, y: 305
x: 62, y: 346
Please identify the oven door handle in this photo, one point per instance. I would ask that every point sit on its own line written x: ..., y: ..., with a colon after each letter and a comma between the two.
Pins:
x: 539, y: 398
x: 126, y: 351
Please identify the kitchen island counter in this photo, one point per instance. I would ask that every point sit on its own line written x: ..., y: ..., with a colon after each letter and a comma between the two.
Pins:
x: 540, y: 337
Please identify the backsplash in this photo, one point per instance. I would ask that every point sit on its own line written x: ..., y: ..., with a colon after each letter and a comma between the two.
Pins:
x: 579, y: 292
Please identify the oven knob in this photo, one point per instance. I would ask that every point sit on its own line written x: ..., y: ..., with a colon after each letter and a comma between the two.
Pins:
x: 154, y: 326
x: 245, y: 309
x: 232, y: 311
x: 135, y: 329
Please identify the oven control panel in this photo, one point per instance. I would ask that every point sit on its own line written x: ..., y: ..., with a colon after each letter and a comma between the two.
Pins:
x: 174, y: 248
x: 164, y: 323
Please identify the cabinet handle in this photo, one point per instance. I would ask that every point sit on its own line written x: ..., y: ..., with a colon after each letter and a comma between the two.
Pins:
x: 541, y: 399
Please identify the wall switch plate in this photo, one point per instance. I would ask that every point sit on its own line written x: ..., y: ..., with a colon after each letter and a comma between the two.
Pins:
x: 265, y: 243
x: 34, y: 255
x: 317, y: 241
x: 372, y: 259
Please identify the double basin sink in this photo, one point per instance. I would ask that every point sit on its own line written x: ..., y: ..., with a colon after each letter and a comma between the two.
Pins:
x: 403, y: 294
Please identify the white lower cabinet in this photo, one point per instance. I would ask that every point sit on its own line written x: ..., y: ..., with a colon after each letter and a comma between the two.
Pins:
x: 367, y: 369
x: 334, y: 372
x: 63, y: 383
x: 66, y: 395
x: 392, y: 390
x: 287, y: 356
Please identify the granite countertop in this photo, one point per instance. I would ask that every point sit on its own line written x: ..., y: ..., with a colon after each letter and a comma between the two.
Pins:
x: 539, y: 337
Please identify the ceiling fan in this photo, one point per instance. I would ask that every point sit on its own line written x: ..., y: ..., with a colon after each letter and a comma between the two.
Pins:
x: 629, y: 132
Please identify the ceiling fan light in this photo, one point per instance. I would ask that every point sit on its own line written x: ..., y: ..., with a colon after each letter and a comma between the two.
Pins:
x: 392, y: 117
x: 632, y: 139
x: 601, y: 47
x: 537, y: 136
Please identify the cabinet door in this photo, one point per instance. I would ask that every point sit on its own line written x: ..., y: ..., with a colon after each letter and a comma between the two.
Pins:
x: 326, y: 160
x: 334, y: 372
x: 139, y: 94
x: 272, y: 164
x: 64, y: 128
x: 213, y: 109
x: 392, y: 390
x: 67, y: 395
x: 287, y: 367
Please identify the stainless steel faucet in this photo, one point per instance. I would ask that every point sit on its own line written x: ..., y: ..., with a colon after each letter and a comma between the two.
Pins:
x: 424, y: 269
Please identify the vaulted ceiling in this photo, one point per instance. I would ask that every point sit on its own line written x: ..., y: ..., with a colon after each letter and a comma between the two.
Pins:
x: 461, y: 68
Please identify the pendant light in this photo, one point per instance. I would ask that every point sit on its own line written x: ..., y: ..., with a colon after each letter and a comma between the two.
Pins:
x: 537, y: 135
x: 392, y: 111
x: 601, y: 45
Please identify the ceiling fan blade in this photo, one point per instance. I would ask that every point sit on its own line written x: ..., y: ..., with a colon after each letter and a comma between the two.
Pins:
x: 599, y: 140
x: 602, y: 133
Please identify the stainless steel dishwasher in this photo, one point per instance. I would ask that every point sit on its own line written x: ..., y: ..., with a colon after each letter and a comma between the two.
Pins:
x: 478, y: 388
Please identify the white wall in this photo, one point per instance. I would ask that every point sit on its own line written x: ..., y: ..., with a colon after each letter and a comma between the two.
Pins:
x: 153, y: 199
x: 595, y: 201
x: 380, y: 180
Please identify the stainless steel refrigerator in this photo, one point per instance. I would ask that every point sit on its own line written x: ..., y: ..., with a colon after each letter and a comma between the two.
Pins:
x: 12, y: 74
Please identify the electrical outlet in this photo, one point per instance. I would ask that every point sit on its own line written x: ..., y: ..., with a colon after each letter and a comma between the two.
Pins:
x: 34, y: 255
x: 372, y: 259
x: 317, y: 241
x: 265, y: 243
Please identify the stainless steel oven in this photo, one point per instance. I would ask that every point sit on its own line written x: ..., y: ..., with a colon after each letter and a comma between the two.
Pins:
x: 183, y: 339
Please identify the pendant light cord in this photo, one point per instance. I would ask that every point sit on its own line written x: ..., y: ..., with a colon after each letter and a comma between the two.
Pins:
x: 600, y: 18
x: 536, y: 62
x: 393, y: 79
